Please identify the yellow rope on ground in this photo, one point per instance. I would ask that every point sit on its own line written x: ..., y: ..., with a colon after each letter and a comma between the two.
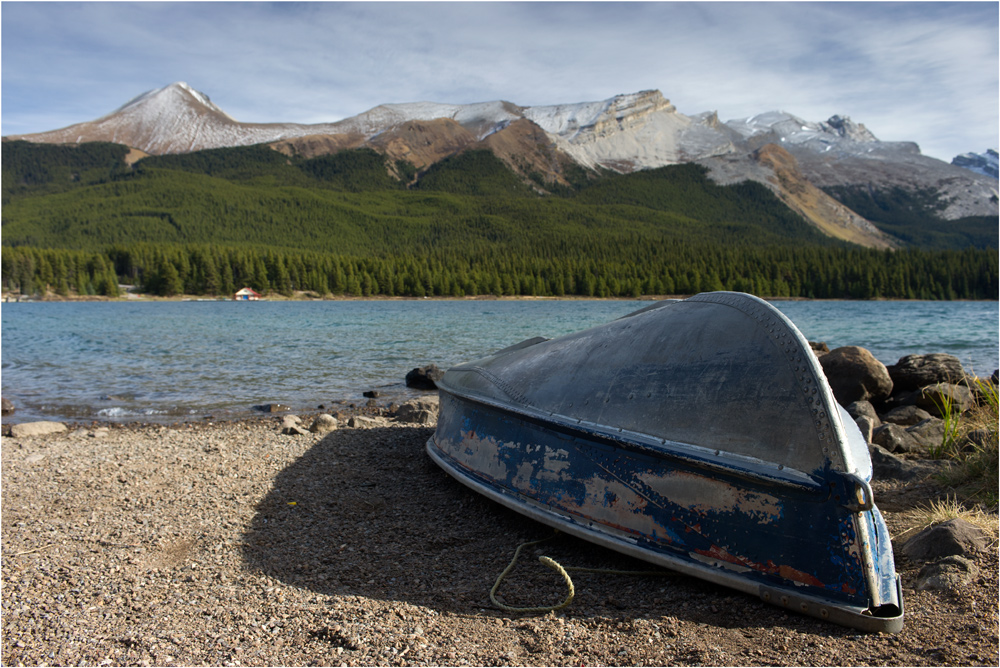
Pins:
x: 563, y: 571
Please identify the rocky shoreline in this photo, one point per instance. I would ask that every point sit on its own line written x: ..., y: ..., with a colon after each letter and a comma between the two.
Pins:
x: 252, y: 543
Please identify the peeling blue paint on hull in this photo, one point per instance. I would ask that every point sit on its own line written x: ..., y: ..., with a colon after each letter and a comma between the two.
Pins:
x: 806, y: 537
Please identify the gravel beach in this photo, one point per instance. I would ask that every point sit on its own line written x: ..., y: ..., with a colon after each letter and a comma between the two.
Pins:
x: 234, y: 544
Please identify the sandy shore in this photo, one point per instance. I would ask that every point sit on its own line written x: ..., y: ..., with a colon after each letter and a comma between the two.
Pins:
x: 232, y: 544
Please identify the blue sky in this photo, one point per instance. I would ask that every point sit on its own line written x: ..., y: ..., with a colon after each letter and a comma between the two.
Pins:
x: 910, y: 71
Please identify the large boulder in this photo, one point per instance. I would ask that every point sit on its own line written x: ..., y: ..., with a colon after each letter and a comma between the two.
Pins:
x: 913, y: 372
x: 36, y: 429
x: 855, y: 375
x: 424, y: 378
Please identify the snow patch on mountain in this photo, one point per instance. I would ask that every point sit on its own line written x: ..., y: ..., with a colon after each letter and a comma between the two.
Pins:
x: 838, y: 131
x: 482, y: 119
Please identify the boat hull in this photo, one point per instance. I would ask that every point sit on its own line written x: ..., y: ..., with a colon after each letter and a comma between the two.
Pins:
x: 692, y: 517
x: 764, y: 490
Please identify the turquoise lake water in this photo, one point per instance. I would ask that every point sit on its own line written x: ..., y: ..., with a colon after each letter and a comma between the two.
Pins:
x: 168, y: 361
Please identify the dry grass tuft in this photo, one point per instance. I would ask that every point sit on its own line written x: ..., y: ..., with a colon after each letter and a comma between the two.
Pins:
x: 938, y: 511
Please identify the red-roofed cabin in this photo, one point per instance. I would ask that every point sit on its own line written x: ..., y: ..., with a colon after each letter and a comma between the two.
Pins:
x: 246, y: 294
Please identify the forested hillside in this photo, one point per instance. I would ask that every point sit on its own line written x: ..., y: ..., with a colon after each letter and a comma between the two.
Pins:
x: 78, y: 220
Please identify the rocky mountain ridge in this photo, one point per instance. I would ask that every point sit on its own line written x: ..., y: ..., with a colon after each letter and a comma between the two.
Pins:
x: 987, y: 164
x: 623, y: 134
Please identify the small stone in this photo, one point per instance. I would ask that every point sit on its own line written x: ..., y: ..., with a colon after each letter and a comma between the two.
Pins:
x: 418, y: 411
x: 36, y: 429
x: 949, y: 573
x: 290, y: 425
x: 323, y: 424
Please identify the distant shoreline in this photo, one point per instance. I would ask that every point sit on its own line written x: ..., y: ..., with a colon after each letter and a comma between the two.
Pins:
x: 303, y: 297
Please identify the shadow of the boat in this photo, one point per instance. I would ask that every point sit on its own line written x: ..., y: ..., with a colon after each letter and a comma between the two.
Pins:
x: 386, y: 523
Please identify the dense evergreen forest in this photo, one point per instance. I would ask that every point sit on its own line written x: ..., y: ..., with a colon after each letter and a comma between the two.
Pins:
x: 79, y: 220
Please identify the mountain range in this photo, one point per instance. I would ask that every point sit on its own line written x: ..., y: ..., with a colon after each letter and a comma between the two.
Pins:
x: 835, y: 173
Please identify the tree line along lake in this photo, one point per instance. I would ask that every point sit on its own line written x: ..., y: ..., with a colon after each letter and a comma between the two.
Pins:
x: 174, y: 361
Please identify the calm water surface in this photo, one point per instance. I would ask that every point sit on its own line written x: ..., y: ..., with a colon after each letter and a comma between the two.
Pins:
x: 167, y: 361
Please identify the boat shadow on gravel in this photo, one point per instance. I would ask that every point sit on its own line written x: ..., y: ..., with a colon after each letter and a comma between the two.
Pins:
x: 382, y: 521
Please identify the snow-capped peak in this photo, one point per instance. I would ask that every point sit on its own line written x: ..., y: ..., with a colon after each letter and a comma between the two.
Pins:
x: 164, y: 100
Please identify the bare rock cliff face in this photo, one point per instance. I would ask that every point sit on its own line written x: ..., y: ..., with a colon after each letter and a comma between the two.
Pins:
x: 629, y: 132
x: 422, y: 143
x: 527, y: 149
x: 312, y: 146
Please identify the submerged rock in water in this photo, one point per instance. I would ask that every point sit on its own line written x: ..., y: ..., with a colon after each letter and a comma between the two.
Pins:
x: 271, y: 408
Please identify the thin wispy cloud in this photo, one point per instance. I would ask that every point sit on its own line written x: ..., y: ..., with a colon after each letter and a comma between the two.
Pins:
x: 924, y: 72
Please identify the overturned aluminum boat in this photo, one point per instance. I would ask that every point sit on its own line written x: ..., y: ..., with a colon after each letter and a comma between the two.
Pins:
x: 700, y: 435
